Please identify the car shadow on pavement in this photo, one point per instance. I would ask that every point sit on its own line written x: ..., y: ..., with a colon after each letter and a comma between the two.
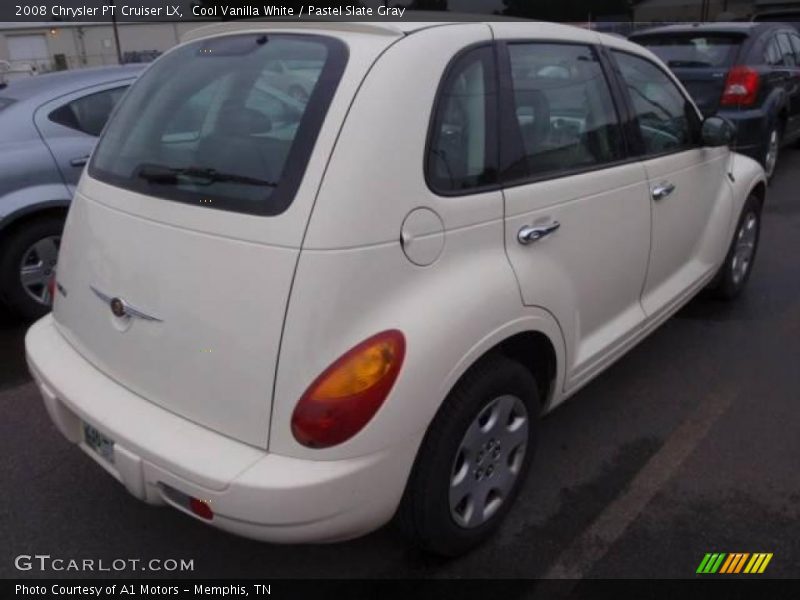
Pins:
x: 13, y: 369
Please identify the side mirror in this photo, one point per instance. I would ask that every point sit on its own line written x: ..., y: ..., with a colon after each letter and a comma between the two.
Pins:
x: 717, y: 131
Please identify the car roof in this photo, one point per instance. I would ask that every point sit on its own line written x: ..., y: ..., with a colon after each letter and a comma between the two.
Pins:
x: 53, y: 85
x: 414, y: 20
x: 417, y: 22
x: 746, y: 28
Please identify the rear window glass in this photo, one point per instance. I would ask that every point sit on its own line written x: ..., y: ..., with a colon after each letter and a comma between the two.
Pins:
x: 693, y: 51
x: 226, y: 123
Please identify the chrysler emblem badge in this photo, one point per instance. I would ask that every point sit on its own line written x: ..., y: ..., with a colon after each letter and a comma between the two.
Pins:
x: 117, y: 307
x: 122, y: 309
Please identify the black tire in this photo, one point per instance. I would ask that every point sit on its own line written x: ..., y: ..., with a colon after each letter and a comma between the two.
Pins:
x: 726, y: 285
x: 11, y: 254
x: 424, y: 516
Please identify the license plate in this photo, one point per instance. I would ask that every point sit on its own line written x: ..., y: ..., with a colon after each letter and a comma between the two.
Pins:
x: 98, y: 442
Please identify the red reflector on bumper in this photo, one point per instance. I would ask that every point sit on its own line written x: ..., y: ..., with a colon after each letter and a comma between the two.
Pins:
x: 201, y: 508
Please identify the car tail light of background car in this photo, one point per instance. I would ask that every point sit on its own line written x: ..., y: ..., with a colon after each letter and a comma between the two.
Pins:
x: 741, y: 87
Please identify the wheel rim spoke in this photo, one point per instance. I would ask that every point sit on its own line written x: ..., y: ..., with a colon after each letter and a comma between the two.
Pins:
x: 38, y: 267
x: 47, y: 250
x: 488, y: 461
x: 745, y: 248
x: 33, y: 275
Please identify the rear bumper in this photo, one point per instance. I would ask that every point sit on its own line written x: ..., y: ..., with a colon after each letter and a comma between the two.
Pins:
x: 252, y: 493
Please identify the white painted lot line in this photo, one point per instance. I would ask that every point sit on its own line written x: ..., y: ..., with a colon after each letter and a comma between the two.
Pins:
x: 589, y: 547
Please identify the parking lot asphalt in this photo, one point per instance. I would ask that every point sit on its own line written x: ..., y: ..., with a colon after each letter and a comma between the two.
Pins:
x: 687, y: 445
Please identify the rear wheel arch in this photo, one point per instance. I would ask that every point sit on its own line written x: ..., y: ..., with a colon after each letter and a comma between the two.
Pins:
x: 25, y: 216
x: 535, y: 351
x: 15, y: 236
x: 531, y: 348
x: 760, y: 192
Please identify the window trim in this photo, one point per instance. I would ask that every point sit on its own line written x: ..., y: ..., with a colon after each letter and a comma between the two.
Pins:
x: 303, y: 145
x: 493, y: 125
x: 642, y: 153
x: 510, y: 130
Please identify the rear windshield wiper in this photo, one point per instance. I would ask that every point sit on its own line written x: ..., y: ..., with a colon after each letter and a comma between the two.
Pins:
x: 202, y: 176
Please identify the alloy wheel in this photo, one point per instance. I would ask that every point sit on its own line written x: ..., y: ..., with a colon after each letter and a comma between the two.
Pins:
x: 745, y: 248
x: 771, y: 158
x: 38, y: 267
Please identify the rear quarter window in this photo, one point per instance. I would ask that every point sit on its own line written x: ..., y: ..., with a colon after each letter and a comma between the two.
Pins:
x: 462, y: 145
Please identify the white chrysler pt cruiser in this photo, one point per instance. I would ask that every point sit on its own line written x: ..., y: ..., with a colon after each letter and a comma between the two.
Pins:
x: 295, y: 316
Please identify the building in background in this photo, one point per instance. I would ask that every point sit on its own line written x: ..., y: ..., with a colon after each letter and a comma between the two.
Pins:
x: 54, y: 46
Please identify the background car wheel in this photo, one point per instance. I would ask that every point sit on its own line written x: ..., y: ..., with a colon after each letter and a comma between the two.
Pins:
x: 735, y: 272
x: 473, y: 459
x: 772, y: 150
x: 28, y: 262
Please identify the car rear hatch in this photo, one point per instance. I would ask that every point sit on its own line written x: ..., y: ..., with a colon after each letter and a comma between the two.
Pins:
x: 180, y: 247
x: 700, y: 60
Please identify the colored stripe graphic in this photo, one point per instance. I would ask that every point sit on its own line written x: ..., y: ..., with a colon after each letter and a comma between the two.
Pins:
x: 703, y: 563
x: 717, y: 563
x: 734, y: 563
x: 765, y: 563
x: 741, y: 562
x: 755, y: 562
x: 727, y: 563
x: 711, y: 563
x: 730, y: 567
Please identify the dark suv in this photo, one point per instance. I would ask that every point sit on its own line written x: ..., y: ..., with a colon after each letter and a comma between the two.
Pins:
x: 747, y: 72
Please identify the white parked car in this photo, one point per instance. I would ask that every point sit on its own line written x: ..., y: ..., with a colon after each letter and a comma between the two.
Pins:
x: 295, y: 322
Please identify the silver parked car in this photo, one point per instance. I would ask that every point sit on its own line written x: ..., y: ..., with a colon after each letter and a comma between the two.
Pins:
x: 48, y: 127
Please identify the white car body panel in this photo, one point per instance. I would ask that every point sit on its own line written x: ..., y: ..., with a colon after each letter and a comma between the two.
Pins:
x: 589, y: 273
x: 253, y: 309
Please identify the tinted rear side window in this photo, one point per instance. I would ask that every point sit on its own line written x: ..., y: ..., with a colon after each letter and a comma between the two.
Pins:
x: 693, y: 51
x: 564, y: 111
x: 462, y: 145
x: 214, y: 124
x: 89, y: 113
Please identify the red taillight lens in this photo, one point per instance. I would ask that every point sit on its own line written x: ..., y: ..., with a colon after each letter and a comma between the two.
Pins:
x: 343, y: 399
x: 741, y: 87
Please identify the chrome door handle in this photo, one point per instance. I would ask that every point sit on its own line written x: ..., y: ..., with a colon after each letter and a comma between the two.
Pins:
x: 530, y: 234
x: 662, y: 190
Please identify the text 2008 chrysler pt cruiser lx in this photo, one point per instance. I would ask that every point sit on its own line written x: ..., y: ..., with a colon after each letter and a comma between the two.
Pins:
x: 295, y: 316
